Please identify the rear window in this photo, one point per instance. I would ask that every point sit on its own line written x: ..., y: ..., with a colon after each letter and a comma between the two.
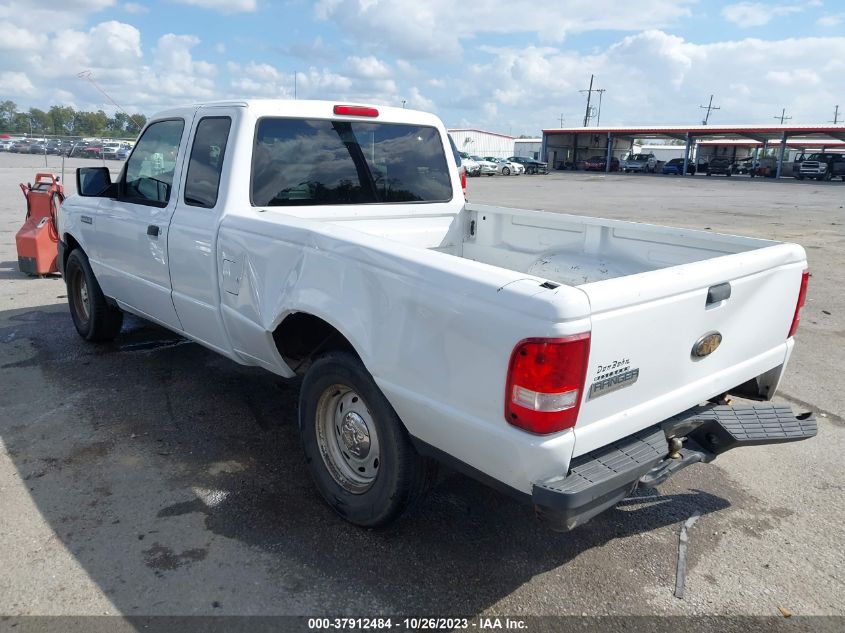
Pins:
x: 319, y: 162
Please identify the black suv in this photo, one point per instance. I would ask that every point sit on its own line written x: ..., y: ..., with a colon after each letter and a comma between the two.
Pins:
x: 531, y: 165
x: 719, y: 166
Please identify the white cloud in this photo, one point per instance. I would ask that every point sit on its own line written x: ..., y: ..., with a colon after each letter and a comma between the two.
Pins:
x: 831, y: 19
x: 436, y: 28
x: 368, y: 67
x: 15, y: 83
x: 651, y: 78
x: 17, y: 38
x: 223, y: 6
x: 55, y: 13
x: 135, y: 8
x: 748, y: 14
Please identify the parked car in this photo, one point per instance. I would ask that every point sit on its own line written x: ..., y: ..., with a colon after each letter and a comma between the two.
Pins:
x: 566, y: 371
x: 599, y: 163
x: 6, y: 145
x: 721, y: 166
x: 644, y: 163
x: 675, y: 167
x: 505, y: 167
x: 92, y: 151
x: 123, y: 154
x: 38, y: 148
x: 742, y: 165
x: 532, y: 166
x: 471, y: 165
x: 485, y: 167
x: 109, y: 150
x: 822, y: 166
x: 21, y: 146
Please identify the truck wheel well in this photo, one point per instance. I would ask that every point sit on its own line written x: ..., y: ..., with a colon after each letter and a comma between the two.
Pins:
x: 302, y: 337
x: 71, y: 243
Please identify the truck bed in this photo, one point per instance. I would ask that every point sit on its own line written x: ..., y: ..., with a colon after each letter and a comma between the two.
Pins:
x: 649, y: 290
x: 566, y: 249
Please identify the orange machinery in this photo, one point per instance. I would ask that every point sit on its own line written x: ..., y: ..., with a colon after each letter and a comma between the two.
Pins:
x: 38, y: 239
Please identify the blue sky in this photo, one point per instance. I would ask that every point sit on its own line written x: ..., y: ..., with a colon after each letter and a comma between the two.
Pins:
x: 510, y: 67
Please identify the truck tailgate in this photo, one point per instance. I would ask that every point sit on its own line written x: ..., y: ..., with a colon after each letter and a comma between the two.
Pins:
x: 642, y: 368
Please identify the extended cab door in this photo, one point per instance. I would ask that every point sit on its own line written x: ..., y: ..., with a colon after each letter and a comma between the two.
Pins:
x: 132, y: 230
x: 192, y: 242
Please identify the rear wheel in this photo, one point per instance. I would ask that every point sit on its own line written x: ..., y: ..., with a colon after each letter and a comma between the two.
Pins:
x: 93, y: 317
x: 358, y: 451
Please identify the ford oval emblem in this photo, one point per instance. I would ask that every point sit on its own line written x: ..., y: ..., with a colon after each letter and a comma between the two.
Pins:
x: 706, y: 345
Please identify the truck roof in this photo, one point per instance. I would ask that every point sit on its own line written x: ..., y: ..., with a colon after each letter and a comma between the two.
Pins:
x: 302, y: 108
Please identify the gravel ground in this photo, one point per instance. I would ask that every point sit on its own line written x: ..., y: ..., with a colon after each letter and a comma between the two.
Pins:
x: 152, y: 477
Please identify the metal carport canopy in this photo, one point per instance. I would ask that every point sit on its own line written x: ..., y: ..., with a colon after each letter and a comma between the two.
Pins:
x: 760, y: 133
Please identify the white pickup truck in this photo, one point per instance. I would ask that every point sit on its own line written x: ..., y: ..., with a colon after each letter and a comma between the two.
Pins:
x: 562, y: 358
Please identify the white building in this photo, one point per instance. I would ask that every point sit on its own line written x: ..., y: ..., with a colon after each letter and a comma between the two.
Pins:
x: 528, y: 147
x: 482, y: 143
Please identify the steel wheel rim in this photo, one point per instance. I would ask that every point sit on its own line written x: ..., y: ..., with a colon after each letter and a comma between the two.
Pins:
x: 81, y: 298
x: 347, y: 439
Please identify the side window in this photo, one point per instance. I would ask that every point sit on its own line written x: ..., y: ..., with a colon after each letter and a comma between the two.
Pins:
x: 206, y: 163
x: 150, y: 168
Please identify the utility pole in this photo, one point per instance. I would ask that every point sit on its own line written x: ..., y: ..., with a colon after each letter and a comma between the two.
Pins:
x: 589, y: 92
x: 601, y: 91
x: 709, y: 107
x: 562, y: 117
x: 835, y: 116
x: 782, y: 116
x: 403, y: 104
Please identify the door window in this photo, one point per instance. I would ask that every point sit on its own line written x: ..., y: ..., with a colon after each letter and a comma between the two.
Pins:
x: 206, y: 163
x: 150, y: 169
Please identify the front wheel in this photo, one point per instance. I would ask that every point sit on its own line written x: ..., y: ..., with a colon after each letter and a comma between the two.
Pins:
x: 358, y: 451
x: 93, y: 317
x: 506, y: 171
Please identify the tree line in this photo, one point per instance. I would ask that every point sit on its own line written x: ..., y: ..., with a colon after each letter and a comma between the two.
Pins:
x: 65, y: 121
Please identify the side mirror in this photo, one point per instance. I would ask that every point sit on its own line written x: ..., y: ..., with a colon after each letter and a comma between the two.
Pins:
x: 93, y: 182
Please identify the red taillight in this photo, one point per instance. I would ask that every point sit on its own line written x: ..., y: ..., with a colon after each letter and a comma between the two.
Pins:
x: 802, y: 297
x: 545, y: 383
x: 463, y: 171
x: 351, y: 110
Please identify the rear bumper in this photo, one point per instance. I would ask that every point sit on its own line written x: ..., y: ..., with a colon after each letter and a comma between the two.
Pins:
x: 598, y: 480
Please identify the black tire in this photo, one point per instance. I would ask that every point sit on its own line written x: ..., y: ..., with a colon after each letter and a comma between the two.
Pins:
x: 827, y: 175
x: 401, y: 475
x: 800, y: 177
x: 94, y: 318
x: 506, y: 171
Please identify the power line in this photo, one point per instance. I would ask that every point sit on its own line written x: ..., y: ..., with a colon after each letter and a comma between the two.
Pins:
x: 709, y: 107
x: 782, y: 116
x: 835, y: 116
x: 87, y: 74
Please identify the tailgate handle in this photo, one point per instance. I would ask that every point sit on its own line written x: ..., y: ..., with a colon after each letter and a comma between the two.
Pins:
x: 717, y: 293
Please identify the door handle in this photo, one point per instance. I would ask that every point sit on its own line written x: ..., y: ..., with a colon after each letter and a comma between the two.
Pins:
x: 153, y: 230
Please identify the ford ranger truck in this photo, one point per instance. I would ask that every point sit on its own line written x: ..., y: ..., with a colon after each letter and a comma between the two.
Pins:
x: 562, y: 358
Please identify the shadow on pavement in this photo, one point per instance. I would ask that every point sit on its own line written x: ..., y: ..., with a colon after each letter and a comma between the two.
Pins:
x: 175, y: 477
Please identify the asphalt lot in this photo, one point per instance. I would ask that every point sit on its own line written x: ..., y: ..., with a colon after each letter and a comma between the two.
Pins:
x: 151, y: 476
